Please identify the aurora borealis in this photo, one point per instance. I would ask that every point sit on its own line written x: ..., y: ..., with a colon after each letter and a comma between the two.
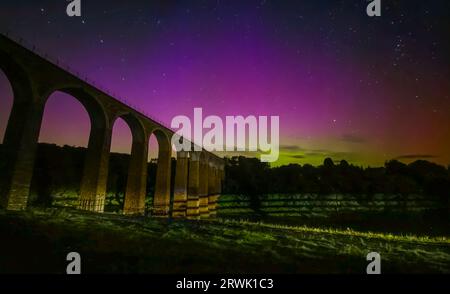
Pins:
x: 344, y: 85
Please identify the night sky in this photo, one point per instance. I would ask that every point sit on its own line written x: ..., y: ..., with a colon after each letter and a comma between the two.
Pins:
x: 344, y: 85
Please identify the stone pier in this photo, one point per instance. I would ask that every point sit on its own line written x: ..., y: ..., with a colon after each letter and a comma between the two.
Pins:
x: 180, y: 196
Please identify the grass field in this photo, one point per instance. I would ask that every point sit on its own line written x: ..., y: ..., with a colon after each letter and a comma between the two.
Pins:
x: 38, y: 240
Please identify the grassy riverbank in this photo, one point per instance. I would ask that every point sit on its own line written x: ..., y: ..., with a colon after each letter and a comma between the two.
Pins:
x: 38, y: 240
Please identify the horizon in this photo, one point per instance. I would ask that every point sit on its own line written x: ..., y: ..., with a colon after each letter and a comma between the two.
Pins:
x: 231, y: 156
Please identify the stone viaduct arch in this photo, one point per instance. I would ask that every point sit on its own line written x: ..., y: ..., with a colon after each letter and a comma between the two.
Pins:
x: 95, y: 170
x: 33, y: 79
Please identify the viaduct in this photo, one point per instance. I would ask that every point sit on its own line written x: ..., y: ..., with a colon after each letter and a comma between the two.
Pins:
x: 198, y: 175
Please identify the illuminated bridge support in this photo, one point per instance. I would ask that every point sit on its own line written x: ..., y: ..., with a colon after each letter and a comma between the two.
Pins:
x: 137, y: 171
x: 193, y: 201
x: 181, y: 183
x: 203, y: 186
x: 20, y: 145
x: 95, y: 175
x: 213, y: 195
x: 161, y: 202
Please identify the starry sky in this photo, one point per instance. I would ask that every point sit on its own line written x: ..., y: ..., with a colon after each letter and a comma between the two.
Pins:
x: 344, y: 85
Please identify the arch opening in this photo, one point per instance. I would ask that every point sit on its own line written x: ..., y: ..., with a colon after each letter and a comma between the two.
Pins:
x: 63, y: 138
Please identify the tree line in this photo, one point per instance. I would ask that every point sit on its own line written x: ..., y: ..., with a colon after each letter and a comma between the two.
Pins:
x: 252, y: 178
